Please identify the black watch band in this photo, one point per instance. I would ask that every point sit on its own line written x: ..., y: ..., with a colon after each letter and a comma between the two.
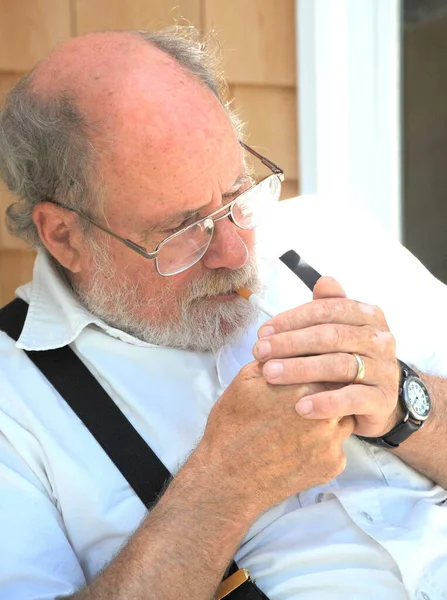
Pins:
x: 407, y: 426
x: 396, y: 436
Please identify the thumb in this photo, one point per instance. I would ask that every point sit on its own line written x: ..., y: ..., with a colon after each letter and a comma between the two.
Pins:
x: 328, y: 287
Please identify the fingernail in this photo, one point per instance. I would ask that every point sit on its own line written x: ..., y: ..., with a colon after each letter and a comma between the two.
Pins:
x: 304, y: 407
x: 266, y: 331
x: 273, y: 369
x: 262, y: 349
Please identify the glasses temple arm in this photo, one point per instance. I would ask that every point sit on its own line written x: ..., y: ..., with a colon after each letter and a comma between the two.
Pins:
x: 265, y: 161
x: 140, y: 249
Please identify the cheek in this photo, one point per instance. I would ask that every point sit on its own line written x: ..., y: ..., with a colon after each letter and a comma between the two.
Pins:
x: 164, y: 291
x: 152, y: 285
x: 178, y: 283
x: 138, y: 271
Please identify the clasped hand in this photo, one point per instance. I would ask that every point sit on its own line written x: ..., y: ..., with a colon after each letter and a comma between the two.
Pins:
x: 315, y: 343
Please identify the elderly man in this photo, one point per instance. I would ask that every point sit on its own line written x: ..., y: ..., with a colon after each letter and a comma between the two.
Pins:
x: 133, y: 184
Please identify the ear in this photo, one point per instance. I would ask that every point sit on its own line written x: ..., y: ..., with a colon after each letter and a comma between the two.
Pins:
x: 58, y: 231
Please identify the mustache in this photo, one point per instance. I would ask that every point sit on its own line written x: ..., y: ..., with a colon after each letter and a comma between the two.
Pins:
x: 223, y: 281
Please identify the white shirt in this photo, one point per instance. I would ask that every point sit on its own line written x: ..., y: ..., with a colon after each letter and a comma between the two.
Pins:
x: 379, y: 530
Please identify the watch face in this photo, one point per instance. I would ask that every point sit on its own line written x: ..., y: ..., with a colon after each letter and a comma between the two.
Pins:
x: 417, y: 398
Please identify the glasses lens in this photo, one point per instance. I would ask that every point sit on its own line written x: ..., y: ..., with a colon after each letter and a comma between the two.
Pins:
x: 184, y: 250
x: 253, y: 205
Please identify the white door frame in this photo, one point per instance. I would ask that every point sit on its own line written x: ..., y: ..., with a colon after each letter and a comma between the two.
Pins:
x: 349, y: 104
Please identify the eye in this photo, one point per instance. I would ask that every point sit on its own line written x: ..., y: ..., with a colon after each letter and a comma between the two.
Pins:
x: 241, y: 189
x: 173, y: 230
x: 250, y: 181
x: 182, y: 225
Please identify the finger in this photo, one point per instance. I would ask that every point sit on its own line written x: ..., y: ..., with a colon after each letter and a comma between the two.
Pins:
x: 328, y: 287
x: 326, y: 339
x: 368, y: 402
x: 347, y: 425
x: 325, y: 310
x: 292, y: 394
x: 337, y: 368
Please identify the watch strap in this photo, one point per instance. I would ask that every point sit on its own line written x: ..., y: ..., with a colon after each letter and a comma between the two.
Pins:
x: 396, y: 436
x: 405, y: 371
x: 407, y: 426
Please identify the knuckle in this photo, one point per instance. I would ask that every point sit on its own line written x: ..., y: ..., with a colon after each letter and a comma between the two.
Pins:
x: 374, y: 337
x: 246, y: 371
x: 390, y: 341
x: 301, y: 370
x: 250, y: 371
x: 322, y: 311
x: 332, y: 336
x: 386, y: 339
x: 285, y: 321
x: 384, y: 342
x: 378, y: 314
x: 289, y: 343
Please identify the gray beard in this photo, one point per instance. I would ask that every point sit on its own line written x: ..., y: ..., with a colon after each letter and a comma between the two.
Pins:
x: 201, y: 323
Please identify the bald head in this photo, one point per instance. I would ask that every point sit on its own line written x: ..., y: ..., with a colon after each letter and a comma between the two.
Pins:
x: 117, y: 105
x: 87, y: 60
x: 105, y: 70
x: 128, y: 131
x: 143, y: 102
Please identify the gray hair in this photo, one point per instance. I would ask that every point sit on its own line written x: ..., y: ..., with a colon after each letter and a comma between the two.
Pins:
x: 46, y: 152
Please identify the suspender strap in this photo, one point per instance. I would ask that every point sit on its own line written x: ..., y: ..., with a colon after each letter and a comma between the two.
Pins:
x: 143, y: 470
x: 133, y: 457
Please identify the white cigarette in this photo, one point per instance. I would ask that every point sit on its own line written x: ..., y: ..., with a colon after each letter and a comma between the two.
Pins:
x: 257, y: 301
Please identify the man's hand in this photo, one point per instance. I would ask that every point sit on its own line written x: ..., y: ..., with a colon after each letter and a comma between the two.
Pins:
x: 315, y: 343
x: 258, y: 448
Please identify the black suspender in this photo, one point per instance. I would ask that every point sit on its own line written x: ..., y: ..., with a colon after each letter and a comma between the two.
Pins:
x: 143, y: 470
x: 134, y: 458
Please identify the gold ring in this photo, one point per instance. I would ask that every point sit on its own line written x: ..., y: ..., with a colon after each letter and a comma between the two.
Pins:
x: 360, y: 369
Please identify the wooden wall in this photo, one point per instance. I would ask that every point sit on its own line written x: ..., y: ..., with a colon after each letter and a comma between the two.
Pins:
x: 258, y: 37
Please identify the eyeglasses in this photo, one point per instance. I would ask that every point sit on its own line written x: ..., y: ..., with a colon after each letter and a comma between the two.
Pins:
x: 183, y: 249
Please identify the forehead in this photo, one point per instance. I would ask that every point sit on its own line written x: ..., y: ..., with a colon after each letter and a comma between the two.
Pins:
x: 168, y: 146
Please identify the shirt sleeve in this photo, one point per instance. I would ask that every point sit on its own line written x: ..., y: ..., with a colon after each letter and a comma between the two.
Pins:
x: 37, y: 560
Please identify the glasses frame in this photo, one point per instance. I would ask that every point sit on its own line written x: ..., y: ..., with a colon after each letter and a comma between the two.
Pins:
x: 141, y: 250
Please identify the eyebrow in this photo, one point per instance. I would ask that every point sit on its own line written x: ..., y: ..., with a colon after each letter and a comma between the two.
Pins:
x: 187, y: 214
x: 239, y: 181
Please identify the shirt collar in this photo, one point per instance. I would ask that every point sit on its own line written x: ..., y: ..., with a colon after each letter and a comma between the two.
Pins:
x: 55, y: 316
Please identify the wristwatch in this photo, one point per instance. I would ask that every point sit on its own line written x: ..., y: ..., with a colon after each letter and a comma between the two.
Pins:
x: 415, y: 400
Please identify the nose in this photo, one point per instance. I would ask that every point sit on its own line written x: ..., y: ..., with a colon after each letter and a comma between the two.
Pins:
x: 228, y: 248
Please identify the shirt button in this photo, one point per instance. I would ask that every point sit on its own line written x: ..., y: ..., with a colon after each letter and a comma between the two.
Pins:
x: 319, y: 497
x: 369, y: 517
x: 425, y: 596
